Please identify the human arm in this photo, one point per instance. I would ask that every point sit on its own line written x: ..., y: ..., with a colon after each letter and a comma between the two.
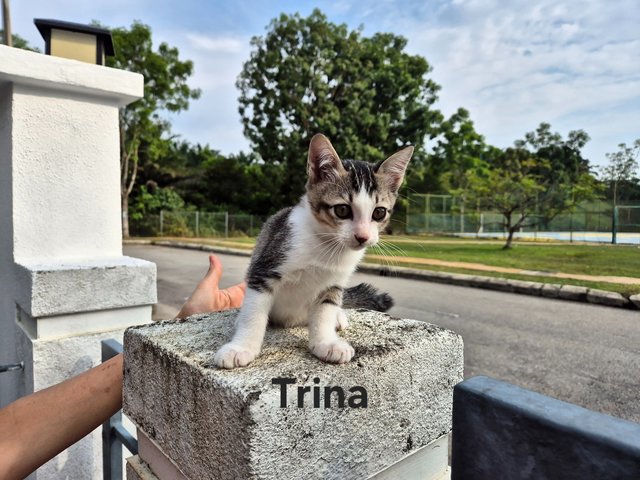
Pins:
x: 37, y: 427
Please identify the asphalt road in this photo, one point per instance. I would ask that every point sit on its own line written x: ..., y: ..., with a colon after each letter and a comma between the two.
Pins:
x: 585, y: 354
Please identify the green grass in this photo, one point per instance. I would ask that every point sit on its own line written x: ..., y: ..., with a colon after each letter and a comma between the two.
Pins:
x: 582, y: 259
x: 623, y: 289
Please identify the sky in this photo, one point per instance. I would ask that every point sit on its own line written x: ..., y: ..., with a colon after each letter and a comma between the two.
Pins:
x: 511, y: 63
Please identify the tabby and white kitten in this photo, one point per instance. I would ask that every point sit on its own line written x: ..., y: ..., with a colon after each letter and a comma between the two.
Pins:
x: 306, y: 254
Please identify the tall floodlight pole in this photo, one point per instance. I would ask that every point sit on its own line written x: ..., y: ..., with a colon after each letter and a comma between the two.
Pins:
x: 6, y: 21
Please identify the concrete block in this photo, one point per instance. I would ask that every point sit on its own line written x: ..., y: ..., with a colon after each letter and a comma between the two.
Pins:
x: 572, y: 292
x: 477, y: 281
x: 229, y: 424
x: 602, y: 297
x: 504, y: 431
x: 97, y: 284
x: 550, y: 290
x: 458, y: 279
x: 525, y: 287
x: 54, y: 73
x: 499, y: 284
x: 635, y: 299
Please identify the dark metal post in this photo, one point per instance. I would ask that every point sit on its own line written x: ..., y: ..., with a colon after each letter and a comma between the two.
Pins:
x: 614, y: 226
x: 114, y: 435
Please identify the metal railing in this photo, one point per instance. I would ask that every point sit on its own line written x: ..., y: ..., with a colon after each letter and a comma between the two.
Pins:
x: 114, y: 435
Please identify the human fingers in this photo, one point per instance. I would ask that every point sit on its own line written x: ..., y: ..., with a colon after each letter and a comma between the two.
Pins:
x: 235, y: 295
x: 215, y: 269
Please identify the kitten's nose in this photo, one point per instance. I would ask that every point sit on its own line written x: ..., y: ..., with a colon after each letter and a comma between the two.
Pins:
x: 360, y: 239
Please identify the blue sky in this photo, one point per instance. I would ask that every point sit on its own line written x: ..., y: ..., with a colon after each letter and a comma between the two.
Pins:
x: 512, y: 64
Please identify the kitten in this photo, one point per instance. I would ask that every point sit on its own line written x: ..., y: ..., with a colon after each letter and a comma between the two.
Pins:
x: 306, y: 254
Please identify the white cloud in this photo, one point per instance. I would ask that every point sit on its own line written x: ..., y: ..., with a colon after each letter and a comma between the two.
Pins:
x: 227, y: 45
x: 515, y: 64
x: 512, y: 64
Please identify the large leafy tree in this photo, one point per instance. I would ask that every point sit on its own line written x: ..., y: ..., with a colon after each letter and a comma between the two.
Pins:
x: 540, y: 178
x: 144, y: 134
x: 308, y: 75
x: 566, y: 162
x: 459, y: 150
x: 622, y: 169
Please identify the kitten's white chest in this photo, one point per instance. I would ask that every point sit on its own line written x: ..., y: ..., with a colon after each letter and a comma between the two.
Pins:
x: 311, y: 268
x: 296, y: 293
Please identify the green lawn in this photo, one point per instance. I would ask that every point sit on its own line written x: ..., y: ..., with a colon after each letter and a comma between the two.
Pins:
x: 624, y: 289
x: 585, y: 259
x: 568, y: 258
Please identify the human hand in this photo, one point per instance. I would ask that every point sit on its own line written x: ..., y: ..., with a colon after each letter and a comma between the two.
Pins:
x: 207, y: 297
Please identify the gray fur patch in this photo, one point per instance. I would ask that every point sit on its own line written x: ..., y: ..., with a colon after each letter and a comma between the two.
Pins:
x: 332, y: 295
x: 366, y: 296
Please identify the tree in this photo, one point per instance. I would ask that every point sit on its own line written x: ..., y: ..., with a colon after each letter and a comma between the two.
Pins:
x: 144, y: 134
x: 564, y: 156
x: 545, y: 180
x: 511, y: 188
x: 308, y: 75
x: 19, y: 42
x: 458, y: 151
x: 622, y: 168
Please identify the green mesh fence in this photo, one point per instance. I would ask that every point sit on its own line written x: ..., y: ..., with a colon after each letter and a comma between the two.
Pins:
x: 444, y: 214
x: 628, y: 218
x: 196, y: 224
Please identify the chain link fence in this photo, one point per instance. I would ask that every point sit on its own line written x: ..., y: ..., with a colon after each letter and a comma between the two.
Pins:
x: 196, y: 224
x: 597, y: 221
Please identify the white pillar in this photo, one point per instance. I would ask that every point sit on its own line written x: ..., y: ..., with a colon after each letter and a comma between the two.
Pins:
x: 64, y: 283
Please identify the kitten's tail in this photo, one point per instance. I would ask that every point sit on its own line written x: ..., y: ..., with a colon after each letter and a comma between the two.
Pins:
x: 366, y: 296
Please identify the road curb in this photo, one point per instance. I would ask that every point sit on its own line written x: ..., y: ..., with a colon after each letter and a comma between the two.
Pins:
x: 537, y: 289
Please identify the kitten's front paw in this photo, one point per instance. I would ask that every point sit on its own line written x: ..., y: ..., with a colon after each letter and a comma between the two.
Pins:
x: 342, y: 322
x: 333, y: 351
x: 232, y: 355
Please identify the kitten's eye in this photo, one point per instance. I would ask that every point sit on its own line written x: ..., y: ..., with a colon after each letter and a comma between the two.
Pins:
x: 342, y: 211
x: 379, y: 214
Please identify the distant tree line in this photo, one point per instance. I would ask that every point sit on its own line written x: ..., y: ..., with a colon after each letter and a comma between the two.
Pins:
x: 309, y: 75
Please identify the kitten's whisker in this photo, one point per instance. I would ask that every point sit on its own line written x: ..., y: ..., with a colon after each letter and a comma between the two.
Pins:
x: 393, y: 247
x: 385, y: 258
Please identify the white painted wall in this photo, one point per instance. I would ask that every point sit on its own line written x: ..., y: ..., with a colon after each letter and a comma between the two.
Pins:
x: 64, y: 284
x: 66, y: 186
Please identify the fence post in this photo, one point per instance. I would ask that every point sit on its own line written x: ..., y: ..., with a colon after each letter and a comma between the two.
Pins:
x: 614, y: 225
x: 226, y: 224
x: 198, y: 224
x: 571, y: 227
x: 161, y: 222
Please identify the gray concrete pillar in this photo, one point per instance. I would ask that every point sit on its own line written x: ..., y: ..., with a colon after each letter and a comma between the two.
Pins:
x: 386, y: 414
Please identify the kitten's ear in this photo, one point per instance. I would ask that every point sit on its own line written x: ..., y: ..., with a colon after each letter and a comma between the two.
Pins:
x: 394, y: 168
x: 323, y: 162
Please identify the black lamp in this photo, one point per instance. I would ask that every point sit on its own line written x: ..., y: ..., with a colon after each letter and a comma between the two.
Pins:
x: 75, y: 41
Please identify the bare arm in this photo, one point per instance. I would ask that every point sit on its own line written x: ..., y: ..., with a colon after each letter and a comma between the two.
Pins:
x: 37, y: 427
